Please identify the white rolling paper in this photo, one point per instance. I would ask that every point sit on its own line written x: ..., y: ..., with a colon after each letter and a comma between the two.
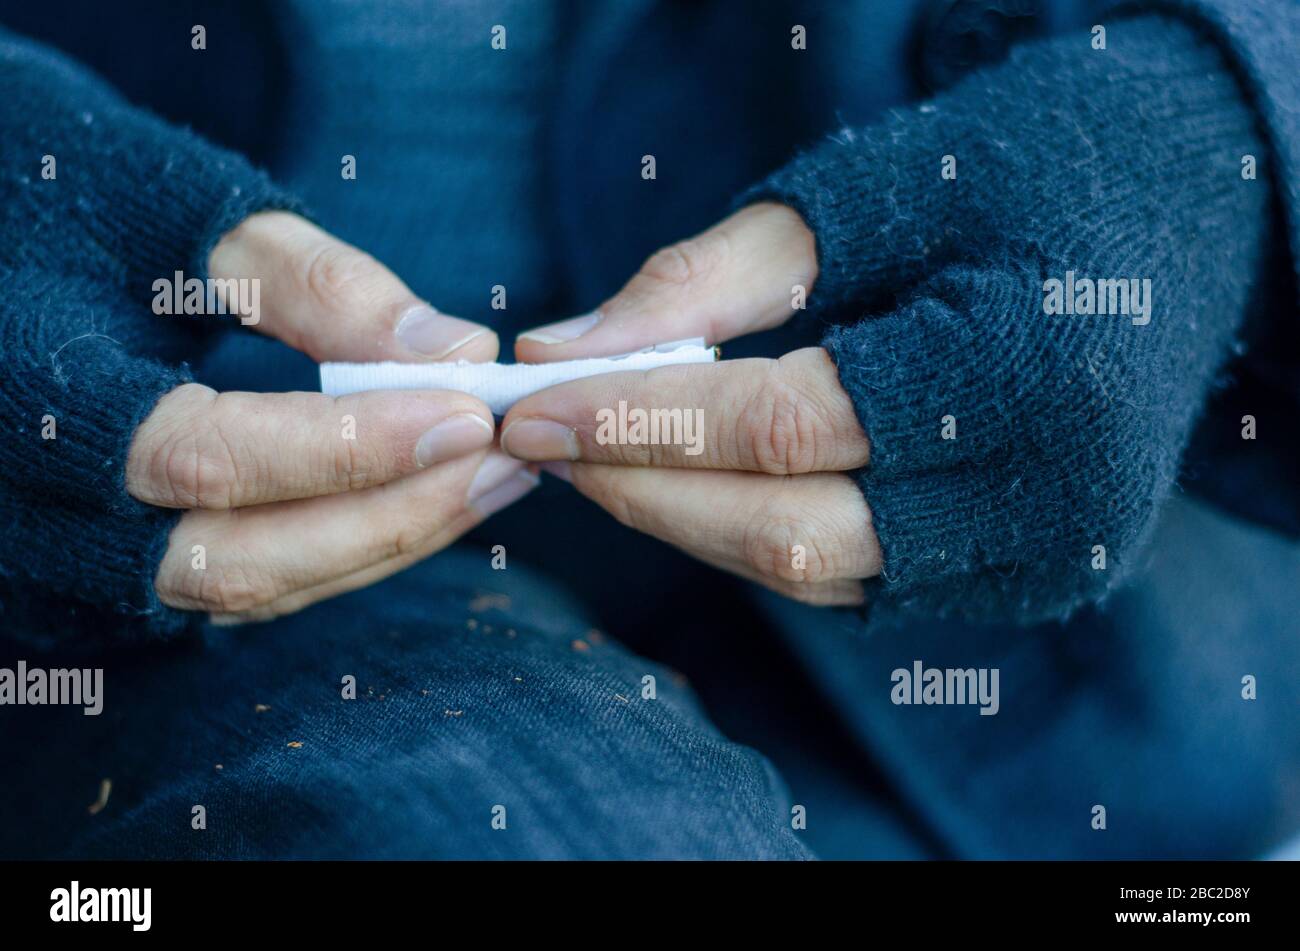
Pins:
x: 501, y: 385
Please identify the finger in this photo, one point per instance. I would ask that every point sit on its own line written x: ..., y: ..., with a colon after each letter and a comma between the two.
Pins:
x: 262, y: 561
x: 783, y: 531
x: 209, y: 450
x: 514, y: 487
x: 504, y: 495
x: 782, y: 417
x: 333, y: 301
x: 372, y: 574
x: 745, y: 274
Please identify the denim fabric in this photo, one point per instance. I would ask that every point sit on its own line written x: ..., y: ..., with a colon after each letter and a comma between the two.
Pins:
x: 475, y: 688
x: 1136, y: 706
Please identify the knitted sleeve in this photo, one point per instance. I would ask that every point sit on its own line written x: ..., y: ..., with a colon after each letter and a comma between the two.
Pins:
x: 97, y: 201
x: 1055, y: 258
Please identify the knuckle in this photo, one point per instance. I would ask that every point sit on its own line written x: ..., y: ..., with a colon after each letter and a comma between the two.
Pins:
x: 783, y: 429
x: 767, y: 543
x: 786, y: 548
x: 337, y: 273
x: 230, y: 592
x: 351, y: 465
x: 408, y: 541
x: 228, y: 588
x: 686, y: 262
x: 195, y: 468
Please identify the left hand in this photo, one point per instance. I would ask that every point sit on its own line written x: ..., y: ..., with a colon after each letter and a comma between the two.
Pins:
x: 763, y: 492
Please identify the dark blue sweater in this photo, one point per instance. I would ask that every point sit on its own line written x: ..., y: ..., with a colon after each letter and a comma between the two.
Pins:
x: 1071, y: 430
x: 1122, y: 163
x: 1067, y: 428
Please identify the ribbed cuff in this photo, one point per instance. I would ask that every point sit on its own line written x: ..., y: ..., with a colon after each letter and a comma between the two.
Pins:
x: 72, y: 532
x: 871, y: 208
x: 195, y: 193
x: 996, y: 461
x: 100, y: 567
x: 105, y: 545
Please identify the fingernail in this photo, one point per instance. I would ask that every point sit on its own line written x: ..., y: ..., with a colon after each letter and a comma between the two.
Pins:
x: 453, y: 437
x: 565, y: 330
x: 431, y: 334
x: 561, y: 470
x: 513, y: 489
x: 539, y: 439
x: 495, y: 469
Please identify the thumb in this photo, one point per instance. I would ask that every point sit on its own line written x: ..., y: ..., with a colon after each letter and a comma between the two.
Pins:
x: 745, y: 274
x: 334, y: 302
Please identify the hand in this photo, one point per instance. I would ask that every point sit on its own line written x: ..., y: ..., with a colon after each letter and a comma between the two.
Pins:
x: 288, y: 509
x: 766, y: 497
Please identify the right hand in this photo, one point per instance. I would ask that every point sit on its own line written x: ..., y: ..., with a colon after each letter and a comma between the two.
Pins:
x: 289, y: 511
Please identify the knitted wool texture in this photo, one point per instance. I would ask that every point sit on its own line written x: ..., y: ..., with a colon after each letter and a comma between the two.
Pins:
x: 1116, y: 163
x: 132, y: 200
x: 1122, y: 163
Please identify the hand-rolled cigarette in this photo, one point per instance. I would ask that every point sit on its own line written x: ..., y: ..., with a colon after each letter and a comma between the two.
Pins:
x: 501, y: 385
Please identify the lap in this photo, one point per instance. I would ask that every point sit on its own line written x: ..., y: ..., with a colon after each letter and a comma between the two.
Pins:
x: 488, y: 721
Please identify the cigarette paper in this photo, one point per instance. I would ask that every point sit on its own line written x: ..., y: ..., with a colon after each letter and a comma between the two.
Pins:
x: 501, y: 385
